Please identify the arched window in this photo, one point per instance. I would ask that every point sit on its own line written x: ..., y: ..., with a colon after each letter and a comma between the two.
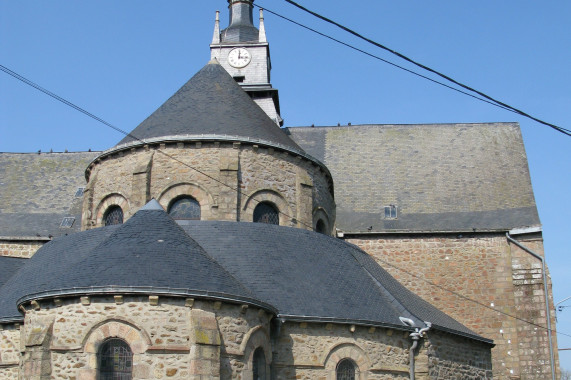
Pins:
x: 345, y: 370
x: 266, y: 212
x: 186, y: 208
x: 320, y: 227
x: 259, y: 364
x: 113, y: 215
x: 115, y: 360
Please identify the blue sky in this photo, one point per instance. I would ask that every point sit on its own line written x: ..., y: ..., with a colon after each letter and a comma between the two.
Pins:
x: 120, y: 60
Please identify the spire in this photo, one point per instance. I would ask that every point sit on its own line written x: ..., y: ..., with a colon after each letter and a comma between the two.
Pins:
x: 216, y: 35
x: 262, y: 36
x: 241, y: 27
x: 241, y: 12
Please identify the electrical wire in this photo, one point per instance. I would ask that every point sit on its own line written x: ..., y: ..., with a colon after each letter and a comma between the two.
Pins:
x: 380, y: 59
x: 424, y: 67
x: 89, y: 114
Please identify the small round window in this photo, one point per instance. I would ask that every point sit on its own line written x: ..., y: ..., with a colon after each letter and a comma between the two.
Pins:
x: 266, y: 212
x: 113, y: 215
x: 185, y: 208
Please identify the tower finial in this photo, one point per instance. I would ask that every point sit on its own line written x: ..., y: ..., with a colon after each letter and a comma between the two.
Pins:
x: 216, y: 35
x: 262, y: 36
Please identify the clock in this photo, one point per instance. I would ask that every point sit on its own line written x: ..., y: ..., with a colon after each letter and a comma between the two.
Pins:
x: 239, y: 58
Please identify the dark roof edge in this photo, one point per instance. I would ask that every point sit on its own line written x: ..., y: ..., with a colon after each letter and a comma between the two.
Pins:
x: 535, y: 228
x: 468, y: 124
x: 228, y: 138
x: 14, y: 319
x: 362, y: 322
x: 171, y: 292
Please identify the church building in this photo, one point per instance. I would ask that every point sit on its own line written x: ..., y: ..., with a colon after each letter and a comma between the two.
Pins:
x: 213, y: 243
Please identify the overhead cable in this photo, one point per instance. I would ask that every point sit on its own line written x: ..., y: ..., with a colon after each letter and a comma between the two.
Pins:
x: 402, y: 56
x: 77, y: 108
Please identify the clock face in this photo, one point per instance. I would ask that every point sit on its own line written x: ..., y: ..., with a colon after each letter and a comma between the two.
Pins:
x: 239, y: 57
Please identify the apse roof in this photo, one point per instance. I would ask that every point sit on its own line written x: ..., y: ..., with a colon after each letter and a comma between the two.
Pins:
x: 296, y: 274
x: 438, y: 177
x: 9, y: 266
x: 38, y: 190
x: 210, y: 105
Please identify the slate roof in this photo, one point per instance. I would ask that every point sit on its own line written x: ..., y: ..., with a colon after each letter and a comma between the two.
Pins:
x: 441, y: 177
x: 296, y: 274
x: 38, y: 190
x: 9, y: 266
x: 212, y: 106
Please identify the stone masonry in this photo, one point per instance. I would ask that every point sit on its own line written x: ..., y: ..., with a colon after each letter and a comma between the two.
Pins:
x: 483, y: 282
x: 19, y: 248
x: 300, y: 189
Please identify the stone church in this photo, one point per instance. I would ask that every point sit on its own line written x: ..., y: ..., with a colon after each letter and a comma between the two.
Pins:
x: 212, y: 243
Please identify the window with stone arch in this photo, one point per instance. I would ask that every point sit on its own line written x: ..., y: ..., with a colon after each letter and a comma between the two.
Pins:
x: 184, y: 208
x: 115, y: 360
x: 266, y: 212
x: 259, y: 364
x: 345, y: 370
x: 113, y: 215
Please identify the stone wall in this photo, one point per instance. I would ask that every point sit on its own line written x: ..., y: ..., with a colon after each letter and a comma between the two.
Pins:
x: 312, y: 350
x: 453, y: 357
x: 169, y: 337
x: 471, y: 278
x: 227, y: 179
x: 9, y: 351
x: 201, y: 339
x: 19, y: 248
x: 527, y: 276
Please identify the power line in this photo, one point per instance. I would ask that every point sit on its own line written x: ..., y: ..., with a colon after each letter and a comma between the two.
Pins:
x: 466, y: 298
x: 381, y: 59
x: 89, y: 114
x: 424, y: 67
x: 77, y: 108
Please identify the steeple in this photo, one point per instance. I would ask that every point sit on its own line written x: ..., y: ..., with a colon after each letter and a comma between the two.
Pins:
x: 244, y: 52
x: 241, y: 27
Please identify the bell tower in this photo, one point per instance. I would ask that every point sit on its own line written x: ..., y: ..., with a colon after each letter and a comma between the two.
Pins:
x: 243, y: 50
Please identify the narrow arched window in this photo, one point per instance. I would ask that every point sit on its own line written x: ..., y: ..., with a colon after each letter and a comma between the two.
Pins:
x: 266, y: 212
x: 320, y: 227
x: 113, y: 215
x: 345, y: 370
x: 115, y: 360
x: 185, y: 208
x: 259, y: 364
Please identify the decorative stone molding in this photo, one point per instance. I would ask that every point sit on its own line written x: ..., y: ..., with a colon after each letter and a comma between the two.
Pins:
x: 347, y: 351
x: 114, y: 199
x: 267, y: 195
x: 136, y: 338
x: 198, y: 192
x: 256, y: 337
x: 319, y: 213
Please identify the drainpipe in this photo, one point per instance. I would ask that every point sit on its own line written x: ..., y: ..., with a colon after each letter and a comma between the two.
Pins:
x: 415, y: 336
x: 547, y: 313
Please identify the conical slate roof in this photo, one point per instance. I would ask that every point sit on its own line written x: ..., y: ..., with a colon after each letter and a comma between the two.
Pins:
x: 297, y: 275
x: 149, y: 254
x: 211, y: 104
